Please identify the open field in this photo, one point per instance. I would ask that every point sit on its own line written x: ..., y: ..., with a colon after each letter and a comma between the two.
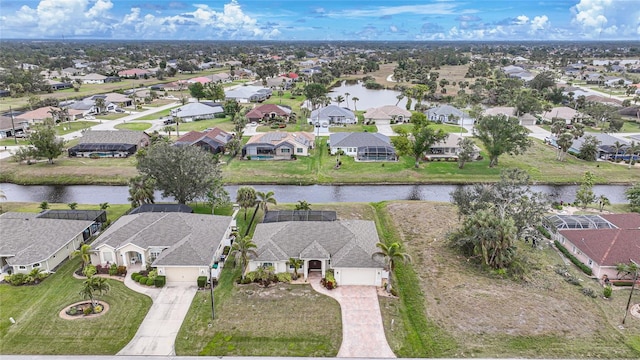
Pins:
x: 39, y: 329
x: 487, y: 316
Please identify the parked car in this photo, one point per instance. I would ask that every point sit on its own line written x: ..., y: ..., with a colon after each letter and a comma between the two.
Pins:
x: 168, y: 121
x: 118, y: 110
x: 89, y: 117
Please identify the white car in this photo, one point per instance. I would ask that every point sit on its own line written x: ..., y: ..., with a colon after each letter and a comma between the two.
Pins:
x: 89, y: 117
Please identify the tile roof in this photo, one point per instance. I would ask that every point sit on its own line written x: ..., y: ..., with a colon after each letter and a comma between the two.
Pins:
x: 260, y: 111
x: 113, y: 137
x: 218, y: 135
x: 27, y: 239
x: 349, y: 243
x: 624, y: 221
x: 607, y: 247
x: 190, y: 239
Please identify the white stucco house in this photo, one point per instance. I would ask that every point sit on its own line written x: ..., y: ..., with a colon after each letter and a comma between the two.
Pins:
x: 346, y: 246
x: 181, y: 246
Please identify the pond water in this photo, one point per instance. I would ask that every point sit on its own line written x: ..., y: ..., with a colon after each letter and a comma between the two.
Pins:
x: 314, y: 194
x: 367, y: 98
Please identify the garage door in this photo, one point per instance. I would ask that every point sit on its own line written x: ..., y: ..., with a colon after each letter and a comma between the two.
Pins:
x: 355, y: 276
x: 182, y: 275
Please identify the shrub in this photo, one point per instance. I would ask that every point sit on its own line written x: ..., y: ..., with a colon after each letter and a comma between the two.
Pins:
x: 202, y: 280
x: 143, y: 280
x: 329, y: 280
x: 607, y: 291
x: 122, y: 270
x: 150, y: 282
x: 226, y: 249
x: 72, y: 311
x: 587, y: 270
x: 152, y: 274
x: 17, y: 279
x: 622, y: 282
x: 136, y: 276
x: 589, y: 292
x: 284, y: 277
x: 98, y: 309
x: 113, y: 270
x: 87, y: 310
x: 160, y: 281
x: 544, y: 232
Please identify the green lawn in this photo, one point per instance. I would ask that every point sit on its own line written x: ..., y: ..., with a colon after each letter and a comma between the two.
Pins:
x: 283, y: 320
x: 200, y: 125
x: 444, y: 127
x: 12, y: 142
x: 159, y: 114
x: 69, y: 127
x: 627, y: 127
x: 137, y: 126
x: 40, y: 331
x: 112, y: 116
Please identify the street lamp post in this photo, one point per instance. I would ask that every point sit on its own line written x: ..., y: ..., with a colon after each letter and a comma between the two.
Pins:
x: 635, y: 279
x: 211, y: 287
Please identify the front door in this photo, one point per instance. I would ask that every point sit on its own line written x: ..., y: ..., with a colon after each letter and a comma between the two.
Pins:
x: 315, y: 265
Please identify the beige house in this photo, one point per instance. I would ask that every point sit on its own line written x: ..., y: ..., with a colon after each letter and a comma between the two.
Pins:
x: 29, y: 242
x: 387, y: 114
x: 278, y: 145
x: 181, y: 246
x: 448, y: 148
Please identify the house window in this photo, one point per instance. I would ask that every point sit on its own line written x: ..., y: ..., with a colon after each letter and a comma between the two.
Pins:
x: 154, y: 253
x: 299, y: 150
x: 22, y: 267
x: 285, y: 151
x: 36, y: 265
x: 267, y: 264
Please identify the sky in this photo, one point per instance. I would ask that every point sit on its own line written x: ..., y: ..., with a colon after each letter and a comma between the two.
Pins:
x: 390, y: 20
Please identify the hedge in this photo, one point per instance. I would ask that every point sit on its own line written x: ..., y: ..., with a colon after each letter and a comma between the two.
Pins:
x: 143, y: 280
x: 587, y: 270
x: 150, y: 282
x: 160, y: 281
x: 202, y: 280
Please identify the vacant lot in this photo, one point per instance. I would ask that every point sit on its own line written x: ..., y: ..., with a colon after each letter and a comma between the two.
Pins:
x: 493, y: 317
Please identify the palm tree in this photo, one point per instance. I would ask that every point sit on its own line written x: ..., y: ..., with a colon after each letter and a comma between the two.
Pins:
x: 603, y: 201
x: 44, y: 206
x: 391, y: 255
x: 168, y: 129
x: 558, y: 126
x: 2, y: 197
x: 141, y: 191
x: 577, y: 131
x: 632, y: 150
x: 266, y: 198
x: 85, y: 254
x: 564, y: 142
x: 297, y: 264
x: 399, y: 97
x: 303, y: 205
x: 73, y: 205
x: 339, y: 99
x: 104, y: 206
x: 355, y: 99
x: 346, y: 96
x: 93, y: 285
x: 246, y: 198
x: 36, y: 275
x: 100, y: 103
x: 241, y: 249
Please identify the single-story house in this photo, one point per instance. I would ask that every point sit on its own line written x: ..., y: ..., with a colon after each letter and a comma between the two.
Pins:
x: 565, y: 113
x: 58, y: 85
x: 363, y: 146
x: 220, y: 78
x: 30, y: 242
x: 134, y: 73
x: 332, y: 115
x: 9, y: 127
x: 386, y: 115
x: 449, y: 148
x: 164, y: 208
x: 214, y: 140
x: 249, y: 93
x: 109, y: 143
x: 613, y: 239
x: 92, y: 78
x: 278, y: 145
x: 449, y: 115
x: 268, y: 112
x: 345, y: 246
x: 510, y: 111
x: 181, y: 246
x: 39, y: 115
x: 197, y: 111
x: 279, y: 82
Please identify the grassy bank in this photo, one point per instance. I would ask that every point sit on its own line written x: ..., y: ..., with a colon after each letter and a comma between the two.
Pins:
x: 39, y: 330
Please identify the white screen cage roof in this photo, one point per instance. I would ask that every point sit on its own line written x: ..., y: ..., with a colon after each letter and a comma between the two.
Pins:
x: 579, y: 222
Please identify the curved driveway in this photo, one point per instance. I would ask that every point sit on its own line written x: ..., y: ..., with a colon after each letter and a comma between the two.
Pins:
x: 362, y: 330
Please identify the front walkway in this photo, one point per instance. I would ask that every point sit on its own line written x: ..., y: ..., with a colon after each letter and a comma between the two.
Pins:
x: 157, y: 333
x: 362, y: 330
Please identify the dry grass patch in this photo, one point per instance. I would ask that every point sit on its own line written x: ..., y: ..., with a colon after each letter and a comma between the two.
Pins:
x: 494, y: 317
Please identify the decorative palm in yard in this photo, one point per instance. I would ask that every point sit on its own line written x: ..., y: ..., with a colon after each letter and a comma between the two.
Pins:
x: 242, y: 248
x: 92, y: 286
x: 85, y: 254
x: 266, y: 198
x: 391, y: 254
x: 297, y: 264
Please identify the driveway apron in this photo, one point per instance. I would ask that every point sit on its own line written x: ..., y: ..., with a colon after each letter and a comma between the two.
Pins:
x: 362, y: 330
x: 157, y: 333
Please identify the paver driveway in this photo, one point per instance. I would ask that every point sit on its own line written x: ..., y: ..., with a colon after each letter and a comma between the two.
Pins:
x: 362, y: 330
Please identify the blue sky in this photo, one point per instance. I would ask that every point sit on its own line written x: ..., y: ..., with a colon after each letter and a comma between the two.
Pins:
x: 401, y: 20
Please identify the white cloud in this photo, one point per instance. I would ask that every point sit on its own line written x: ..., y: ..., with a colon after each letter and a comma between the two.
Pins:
x: 615, y: 18
x: 539, y: 23
x: 393, y: 28
x: 521, y: 20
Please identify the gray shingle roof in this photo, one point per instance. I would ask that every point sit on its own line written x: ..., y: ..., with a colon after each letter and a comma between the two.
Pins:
x: 331, y: 111
x: 349, y: 243
x: 190, y: 239
x: 358, y: 139
x: 27, y: 240
x: 113, y: 137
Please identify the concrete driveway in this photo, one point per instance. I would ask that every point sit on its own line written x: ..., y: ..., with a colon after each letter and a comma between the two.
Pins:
x: 362, y: 330
x: 157, y: 333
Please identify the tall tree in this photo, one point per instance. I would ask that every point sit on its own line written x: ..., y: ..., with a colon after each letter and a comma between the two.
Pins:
x: 589, y: 148
x: 242, y: 248
x: 246, y: 197
x: 419, y: 140
x: 355, y: 99
x: 217, y: 195
x: 585, y: 194
x: 564, y: 143
x: 266, y: 198
x: 603, y: 201
x: 391, y: 254
x: 197, y: 91
x: 85, y: 254
x: 185, y: 173
x: 502, y: 135
x: 314, y: 92
x: 467, y: 149
x: 633, y: 195
x: 46, y: 143
x: 141, y: 190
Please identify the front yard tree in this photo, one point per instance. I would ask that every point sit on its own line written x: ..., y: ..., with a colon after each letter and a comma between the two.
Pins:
x: 197, y: 91
x: 391, y: 255
x: 85, y: 254
x: 141, y: 190
x: 501, y: 135
x: 314, y: 92
x: 421, y: 138
x: 564, y: 142
x: 296, y: 264
x: 467, y: 148
x: 633, y: 195
x: 217, y: 195
x: 246, y: 197
x: 589, y: 148
x: 46, y: 143
x: 184, y: 173
x: 265, y: 199
x: 585, y: 194
x: 242, y: 248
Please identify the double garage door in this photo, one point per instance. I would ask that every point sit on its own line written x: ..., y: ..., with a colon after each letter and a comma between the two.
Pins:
x: 357, y: 276
x: 183, y: 275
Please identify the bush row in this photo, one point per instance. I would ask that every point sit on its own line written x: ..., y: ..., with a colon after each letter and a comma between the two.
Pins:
x: 112, y: 270
x: 587, y: 270
x: 151, y: 280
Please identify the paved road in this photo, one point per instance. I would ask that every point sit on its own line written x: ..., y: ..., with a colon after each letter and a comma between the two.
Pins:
x: 362, y: 330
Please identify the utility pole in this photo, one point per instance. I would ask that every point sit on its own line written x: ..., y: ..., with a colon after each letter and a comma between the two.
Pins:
x: 211, y: 287
x: 635, y: 279
x: 13, y: 126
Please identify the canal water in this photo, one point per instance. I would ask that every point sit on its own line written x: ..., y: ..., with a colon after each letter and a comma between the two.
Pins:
x: 93, y: 194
